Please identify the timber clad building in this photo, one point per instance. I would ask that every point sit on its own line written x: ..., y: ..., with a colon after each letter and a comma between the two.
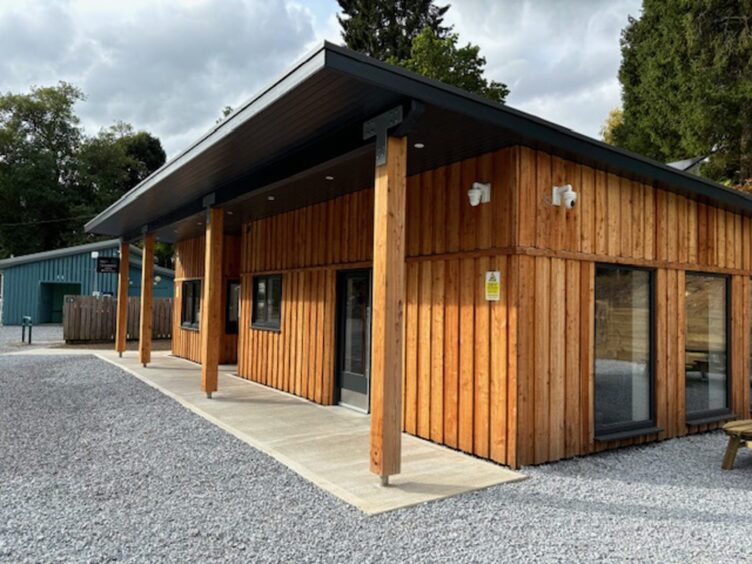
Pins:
x: 326, y: 242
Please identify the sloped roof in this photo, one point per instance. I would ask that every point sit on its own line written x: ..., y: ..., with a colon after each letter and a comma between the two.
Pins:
x: 314, y: 113
x: 80, y: 249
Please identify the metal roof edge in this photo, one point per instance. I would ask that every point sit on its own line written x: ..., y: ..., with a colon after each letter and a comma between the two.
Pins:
x: 304, y: 67
x: 80, y: 249
x: 453, y: 98
x: 57, y: 253
x: 410, y: 84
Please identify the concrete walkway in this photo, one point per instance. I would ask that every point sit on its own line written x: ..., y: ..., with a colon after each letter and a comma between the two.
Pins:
x: 326, y: 445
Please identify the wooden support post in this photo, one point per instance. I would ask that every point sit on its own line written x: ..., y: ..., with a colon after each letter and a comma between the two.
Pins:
x: 147, y: 299
x: 388, y: 306
x: 211, y: 301
x: 121, y: 325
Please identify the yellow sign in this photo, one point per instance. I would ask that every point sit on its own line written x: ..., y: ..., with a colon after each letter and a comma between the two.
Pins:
x: 493, y: 286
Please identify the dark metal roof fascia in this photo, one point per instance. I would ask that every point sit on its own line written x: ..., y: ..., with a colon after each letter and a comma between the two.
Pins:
x: 304, y: 68
x: 448, y: 97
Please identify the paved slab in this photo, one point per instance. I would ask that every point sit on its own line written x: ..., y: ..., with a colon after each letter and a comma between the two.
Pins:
x: 327, y: 445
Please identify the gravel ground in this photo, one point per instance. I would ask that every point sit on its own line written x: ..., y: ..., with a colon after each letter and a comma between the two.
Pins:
x: 98, y: 466
x: 42, y: 335
x: 51, y: 336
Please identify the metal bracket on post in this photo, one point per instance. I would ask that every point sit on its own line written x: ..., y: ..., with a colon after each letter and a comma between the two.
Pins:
x: 378, y: 128
x: 394, y: 119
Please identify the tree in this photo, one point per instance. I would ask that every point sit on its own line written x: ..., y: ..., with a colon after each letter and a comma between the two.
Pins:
x: 386, y: 30
x: 614, y: 120
x: 53, y: 178
x: 39, y: 140
x: 686, y: 78
x: 441, y: 59
x: 226, y: 111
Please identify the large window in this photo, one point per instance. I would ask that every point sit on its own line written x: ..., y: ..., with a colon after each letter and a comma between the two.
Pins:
x: 623, y: 359
x: 191, y: 306
x: 706, y: 348
x: 267, y: 301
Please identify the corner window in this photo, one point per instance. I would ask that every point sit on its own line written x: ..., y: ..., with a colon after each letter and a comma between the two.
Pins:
x: 267, y: 301
x: 706, y: 348
x: 190, y: 313
x: 623, y: 354
x: 232, y: 314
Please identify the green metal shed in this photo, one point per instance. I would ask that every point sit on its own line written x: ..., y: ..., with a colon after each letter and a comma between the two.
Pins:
x: 36, y: 284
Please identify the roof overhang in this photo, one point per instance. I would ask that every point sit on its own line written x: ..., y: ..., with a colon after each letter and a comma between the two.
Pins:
x: 308, y: 126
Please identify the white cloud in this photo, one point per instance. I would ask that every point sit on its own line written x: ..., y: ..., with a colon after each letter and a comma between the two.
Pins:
x: 559, y: 58
x: 164, y: 66
x: 170, y: 66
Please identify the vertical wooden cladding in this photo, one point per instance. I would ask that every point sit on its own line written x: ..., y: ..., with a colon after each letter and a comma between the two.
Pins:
x: 457, y: 389
x: 554, y: 358
x: 439, y: 218
x: 616, y: 217
x: 307, y: 246
x: 299, y: 358
x: 189, y: 264
x: 335, y: 232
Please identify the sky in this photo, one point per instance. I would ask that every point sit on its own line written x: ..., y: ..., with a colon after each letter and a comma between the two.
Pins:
x: 170, y: 66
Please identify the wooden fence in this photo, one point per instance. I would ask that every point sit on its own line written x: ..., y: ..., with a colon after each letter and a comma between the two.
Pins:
x: 92, y: 319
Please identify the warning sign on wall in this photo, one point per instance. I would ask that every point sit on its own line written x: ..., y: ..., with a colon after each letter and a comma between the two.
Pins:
x: 493, y: 285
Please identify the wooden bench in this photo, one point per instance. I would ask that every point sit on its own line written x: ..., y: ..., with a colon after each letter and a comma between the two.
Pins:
x: 738, y: 432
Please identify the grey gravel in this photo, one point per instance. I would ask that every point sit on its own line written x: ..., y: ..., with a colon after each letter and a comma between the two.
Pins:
x: 41, y: 336
x: 97, y: 466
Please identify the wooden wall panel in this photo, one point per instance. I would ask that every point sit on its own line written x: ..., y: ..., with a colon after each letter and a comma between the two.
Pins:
x: 621, y: 220
x: 457, y: 356
x: 299, y: 358
x: 189, y: 265
x: 555, y: 371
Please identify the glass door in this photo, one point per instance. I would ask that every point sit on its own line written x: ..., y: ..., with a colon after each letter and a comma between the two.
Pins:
x: 354, y: 338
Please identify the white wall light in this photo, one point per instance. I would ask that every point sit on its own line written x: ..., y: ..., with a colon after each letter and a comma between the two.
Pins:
x: 479, y: 194
x: 564, y: 195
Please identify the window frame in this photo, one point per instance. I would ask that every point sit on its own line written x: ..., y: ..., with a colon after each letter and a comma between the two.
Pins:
x: 231, y: 327
x: 184, y: 322
x: 710, y: 415
x: 616, y: 431
x: 266, y: 324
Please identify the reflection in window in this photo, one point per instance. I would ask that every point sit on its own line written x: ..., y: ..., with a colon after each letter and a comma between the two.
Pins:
x: 233, y: 308
x: 706, y: 358
x: 623, y: 379
x: 267, y: 301
x: 356, y: 325
x: 190, y: 313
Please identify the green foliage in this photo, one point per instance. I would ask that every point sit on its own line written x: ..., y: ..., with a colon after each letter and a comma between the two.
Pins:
x: 226, y: 111
x: 386, y: 30
x: 410, y: 33
x: 686, y: 78
x: 53, y: 178
x: 614, y: 121
x: 441, y: 59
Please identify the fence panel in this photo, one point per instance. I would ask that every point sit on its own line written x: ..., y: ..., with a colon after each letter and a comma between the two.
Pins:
x: 92, y: 319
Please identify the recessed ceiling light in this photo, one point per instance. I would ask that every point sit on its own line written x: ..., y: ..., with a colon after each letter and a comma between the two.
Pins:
x: 229, y: 212
x: 199, y: 223
x: 329, y: 178
x: 419, y: 145
x: 270, y: 198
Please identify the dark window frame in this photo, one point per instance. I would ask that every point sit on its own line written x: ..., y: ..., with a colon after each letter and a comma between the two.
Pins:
x: 193, y: 320
x: 231, y: 327
x: 632, y: 428
x: 266, y: 324
x: 719, y: 414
